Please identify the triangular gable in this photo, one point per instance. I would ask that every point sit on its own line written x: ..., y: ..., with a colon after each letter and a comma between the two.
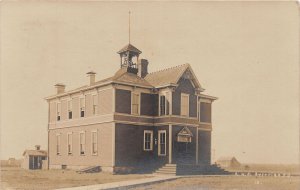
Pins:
x: 185, y: 132
x: 184, y: 135
x: 189, y: 73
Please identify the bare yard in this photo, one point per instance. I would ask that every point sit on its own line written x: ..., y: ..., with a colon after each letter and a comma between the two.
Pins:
x: 17, y: 178
x: 228, y: 183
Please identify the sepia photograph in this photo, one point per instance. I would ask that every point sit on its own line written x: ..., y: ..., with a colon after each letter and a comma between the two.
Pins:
x: 142, y: 95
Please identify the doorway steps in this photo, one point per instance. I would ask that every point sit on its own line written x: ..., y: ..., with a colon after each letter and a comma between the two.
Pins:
x: 90, y: 169
x: 191, y: 169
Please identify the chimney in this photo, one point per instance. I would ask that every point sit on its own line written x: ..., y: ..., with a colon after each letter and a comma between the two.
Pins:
x: 37, y: 147
x: 60, y: 88
x: 92, y: 76
x: 142, y: 67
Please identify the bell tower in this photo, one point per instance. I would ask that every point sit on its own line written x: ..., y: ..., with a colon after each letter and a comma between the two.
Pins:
x: 129, y: 55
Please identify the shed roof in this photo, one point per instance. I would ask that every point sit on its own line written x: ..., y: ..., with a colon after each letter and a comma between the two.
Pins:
x: 35, y: 152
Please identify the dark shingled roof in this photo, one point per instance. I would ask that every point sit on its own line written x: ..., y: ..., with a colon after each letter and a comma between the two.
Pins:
x: 130, y: 47
x: 166, y: 76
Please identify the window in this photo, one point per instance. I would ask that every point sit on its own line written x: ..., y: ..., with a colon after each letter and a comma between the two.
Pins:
x: 148, y: 140
x: 58, y: 144
x: 82, y: 143
x: 94, y: 142
x: 167, y: 103
x: 58, y: 111
x: 161, y: 142
x: 135, y: 103
x: 82, y: 107
x: 164, y: 104
x: 184, y: 105
x: 95, y: 104
x: 205, y: 112
x: 70, y: 109
x: 69, y: 143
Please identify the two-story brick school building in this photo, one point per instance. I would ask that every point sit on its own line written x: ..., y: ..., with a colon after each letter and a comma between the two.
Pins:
x: 133, y: 119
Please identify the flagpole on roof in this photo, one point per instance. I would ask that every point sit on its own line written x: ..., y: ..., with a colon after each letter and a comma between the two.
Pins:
x: 129, y: 26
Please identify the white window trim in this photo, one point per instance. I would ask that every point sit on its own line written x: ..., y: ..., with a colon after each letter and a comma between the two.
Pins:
x: 71, y: 152
x: 151, y: 140
x: 168, y: 97
x: 139, y: 107
x: 95, y: 131
x: 82, y: 132
x: 159, y: 132
x: 188, y: 104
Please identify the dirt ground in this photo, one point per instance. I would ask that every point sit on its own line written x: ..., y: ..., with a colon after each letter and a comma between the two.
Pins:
x: 17, y: 178
x: 227, y: 183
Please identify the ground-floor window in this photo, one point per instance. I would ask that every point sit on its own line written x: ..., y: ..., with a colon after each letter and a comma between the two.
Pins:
x: 94, y: 143
x: 82, y: 143
x: 69, y: 143
x: 162, y: 142
x: 148, y: 140
x: 58, y: 144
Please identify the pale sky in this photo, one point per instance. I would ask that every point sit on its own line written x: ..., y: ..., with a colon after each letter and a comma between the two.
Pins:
x: 246, y: 54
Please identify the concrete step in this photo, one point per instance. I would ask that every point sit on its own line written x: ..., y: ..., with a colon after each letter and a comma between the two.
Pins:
x: 165, y: 170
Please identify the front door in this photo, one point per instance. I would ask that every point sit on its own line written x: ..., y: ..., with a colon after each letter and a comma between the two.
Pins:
x: 183, y: 153
x: 162, y: 146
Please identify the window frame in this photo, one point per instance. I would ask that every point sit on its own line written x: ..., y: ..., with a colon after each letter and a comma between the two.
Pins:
x: 139, y: 102
x: 95, y: 106
x: 151, y: 140
x: 58, y: 111
x: 84, y: 143
x: 160, y: 105
x: 188, y: 106
x: 92, y: 150
x: 159, y: 142
x: 82, y: 108
x: 70, y: 108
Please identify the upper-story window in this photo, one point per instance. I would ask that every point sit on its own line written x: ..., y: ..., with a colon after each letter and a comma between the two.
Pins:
x: 82, y: 107
x: 184, y: 108
x: 164, y: 104
x: 95, y: 104
x: 205, y: 112
x: 70, y: 109
x: 58, y: 111
x: 135, y: 103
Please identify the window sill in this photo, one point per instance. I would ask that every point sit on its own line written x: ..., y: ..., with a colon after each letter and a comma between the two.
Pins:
x: 148, y: 150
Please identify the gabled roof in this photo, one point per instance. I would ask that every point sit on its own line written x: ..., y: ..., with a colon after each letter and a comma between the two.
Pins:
x: 35, y: 152
x: 171, y: 76
x: 131, y: 48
